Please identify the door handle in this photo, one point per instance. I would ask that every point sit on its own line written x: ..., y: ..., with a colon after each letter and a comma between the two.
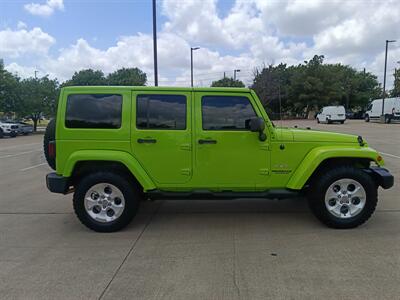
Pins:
x: 146, y: 141
x: 201, y: 142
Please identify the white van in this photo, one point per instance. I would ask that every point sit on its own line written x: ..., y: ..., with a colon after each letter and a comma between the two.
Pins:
x: 392, y: 110
x: 330, y: 114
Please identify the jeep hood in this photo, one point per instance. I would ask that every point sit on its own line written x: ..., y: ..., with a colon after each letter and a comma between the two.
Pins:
x: 306, y: 135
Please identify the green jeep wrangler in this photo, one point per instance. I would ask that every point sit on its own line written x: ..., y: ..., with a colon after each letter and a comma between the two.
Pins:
x: 114, y: 146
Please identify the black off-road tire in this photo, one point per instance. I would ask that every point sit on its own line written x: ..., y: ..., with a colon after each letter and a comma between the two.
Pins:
x: 49, y: 135
x: 129, y: 190
x: 319, y: 186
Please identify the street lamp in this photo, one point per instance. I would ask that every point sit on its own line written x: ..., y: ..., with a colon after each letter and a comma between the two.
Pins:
x: 234, y: 73
x: 384, y: 81
x: 155, y: 43
x: 191, y: 63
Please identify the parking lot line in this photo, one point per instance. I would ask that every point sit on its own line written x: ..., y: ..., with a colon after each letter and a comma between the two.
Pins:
x: 19, y: 146
x: 21, y: 153
x: 31, y: 167
x: 391, y: 155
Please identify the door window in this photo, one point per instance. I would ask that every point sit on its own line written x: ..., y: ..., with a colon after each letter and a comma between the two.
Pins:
x: 161, y: 112
x: 226, y: 112
x: 93, y: 111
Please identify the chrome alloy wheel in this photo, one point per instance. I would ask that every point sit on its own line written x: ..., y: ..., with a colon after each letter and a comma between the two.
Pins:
x: 104, y: 202
x: 345, y: 198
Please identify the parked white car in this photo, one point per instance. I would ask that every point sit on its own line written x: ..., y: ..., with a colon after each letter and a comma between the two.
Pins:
x: 392, y: 110
x: 330, y: 114
x: 8, y: 129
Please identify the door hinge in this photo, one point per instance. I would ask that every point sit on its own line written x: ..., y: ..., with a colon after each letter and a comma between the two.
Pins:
x: 186, y: 147
x: 264, y: 171
x: 185, y: 171
x: 265, y: 147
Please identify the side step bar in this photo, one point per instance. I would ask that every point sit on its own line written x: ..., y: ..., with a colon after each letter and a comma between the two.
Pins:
x: 205, y: 194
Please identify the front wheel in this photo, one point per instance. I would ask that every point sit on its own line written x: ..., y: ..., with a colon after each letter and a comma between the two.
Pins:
x: 366, y: 118
x: 344, y: 197
x: 106, y: 201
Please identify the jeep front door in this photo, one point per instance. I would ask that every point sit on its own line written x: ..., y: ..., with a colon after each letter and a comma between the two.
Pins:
x: 228, y: 155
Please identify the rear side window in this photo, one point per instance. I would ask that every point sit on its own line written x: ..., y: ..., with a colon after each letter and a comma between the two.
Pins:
x: 94, y: 111
x: 161, y: 112
x: 226, y: 112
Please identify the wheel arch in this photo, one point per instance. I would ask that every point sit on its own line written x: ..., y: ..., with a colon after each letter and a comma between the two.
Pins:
x: 321, y: 158
x: 82, y: 162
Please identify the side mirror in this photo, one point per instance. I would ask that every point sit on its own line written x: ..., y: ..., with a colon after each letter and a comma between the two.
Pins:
x: 258, y: 125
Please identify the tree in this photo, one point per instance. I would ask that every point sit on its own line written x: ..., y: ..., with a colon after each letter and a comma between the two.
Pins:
x: 297, y: 90
x: 39, y: 96
x: 86, y: 77
x: 9, y: 93
x: 227, y: 82
x: 124, y: 76
x: 396, y: 87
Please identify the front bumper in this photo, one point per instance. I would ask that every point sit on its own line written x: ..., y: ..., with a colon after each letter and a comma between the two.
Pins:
x: 57, y: 184
x: 382, y: 176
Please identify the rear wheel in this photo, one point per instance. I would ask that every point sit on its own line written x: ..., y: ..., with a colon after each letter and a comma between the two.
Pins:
x: 344, y: 197
x: 341, y: 122
x: 387, y: 119
x: 328, y: 121
x: 105, y: 201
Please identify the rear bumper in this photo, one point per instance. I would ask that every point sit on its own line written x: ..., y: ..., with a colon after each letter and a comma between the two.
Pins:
x: 382, y: 176
x: 57, y: 184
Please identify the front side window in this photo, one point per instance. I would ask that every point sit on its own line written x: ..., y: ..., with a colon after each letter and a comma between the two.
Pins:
x: 226, y: 112
x: 161, y: 112
x: 94, y: 111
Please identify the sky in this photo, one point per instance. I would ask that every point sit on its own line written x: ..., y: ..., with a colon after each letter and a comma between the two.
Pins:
x: 59, y: 37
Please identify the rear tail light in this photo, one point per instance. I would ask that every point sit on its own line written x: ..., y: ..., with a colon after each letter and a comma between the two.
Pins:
x: 52, y: 149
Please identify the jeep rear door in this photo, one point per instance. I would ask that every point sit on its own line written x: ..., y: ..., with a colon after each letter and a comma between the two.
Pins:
x: 161, y: 135
x: 228, y: 156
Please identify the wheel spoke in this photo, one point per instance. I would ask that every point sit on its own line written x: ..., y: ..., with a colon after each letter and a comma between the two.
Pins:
x: 90, y: 203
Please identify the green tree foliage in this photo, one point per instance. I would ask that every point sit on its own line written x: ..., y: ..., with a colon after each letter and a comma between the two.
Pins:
x: 87, y: 77
x: 124, y: 76
x: 9, y: 94
x: 131, y: 76
x: 396, y: 87
x: 312, y: 85
x: 227, y: 82
x: 38, y: 98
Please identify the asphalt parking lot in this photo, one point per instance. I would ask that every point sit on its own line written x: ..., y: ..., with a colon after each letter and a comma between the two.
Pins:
x: 242, y: 249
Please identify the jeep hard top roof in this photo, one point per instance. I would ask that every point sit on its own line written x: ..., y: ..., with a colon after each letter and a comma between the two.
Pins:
x: 156, y: 89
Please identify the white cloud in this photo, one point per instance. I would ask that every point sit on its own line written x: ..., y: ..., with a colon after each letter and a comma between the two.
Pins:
x: 21, y: 71
x: 250, y: 33
x: 14, y: 43
x: 45, y: 9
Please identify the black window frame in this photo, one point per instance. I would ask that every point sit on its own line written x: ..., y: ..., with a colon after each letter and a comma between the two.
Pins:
x: 227, y: 129
x: 162, y: 129
x: 94, y: 94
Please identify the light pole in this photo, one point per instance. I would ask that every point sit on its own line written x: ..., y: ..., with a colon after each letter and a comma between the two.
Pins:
x: 234, y: 73
x: 155, y: 43
x: 191, y: 64
x: 384, y: 81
